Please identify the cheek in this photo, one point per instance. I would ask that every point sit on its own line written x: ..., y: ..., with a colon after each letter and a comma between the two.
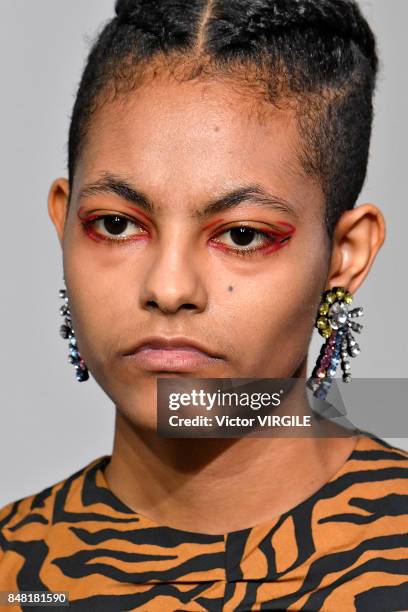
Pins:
x: 271, y: 316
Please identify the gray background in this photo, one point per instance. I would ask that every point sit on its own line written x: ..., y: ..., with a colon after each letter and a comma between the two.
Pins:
x: 52, y: 425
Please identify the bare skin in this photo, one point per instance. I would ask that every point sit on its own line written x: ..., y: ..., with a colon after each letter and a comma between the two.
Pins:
x: 183, y: 145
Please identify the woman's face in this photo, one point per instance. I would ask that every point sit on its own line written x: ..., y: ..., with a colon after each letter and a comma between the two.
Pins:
x: 182, y: 272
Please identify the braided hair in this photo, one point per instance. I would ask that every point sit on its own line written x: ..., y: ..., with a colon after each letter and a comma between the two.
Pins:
x: 321, y: 54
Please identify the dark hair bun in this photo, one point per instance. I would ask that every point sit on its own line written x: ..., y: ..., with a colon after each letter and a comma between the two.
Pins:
x: 122, y: 7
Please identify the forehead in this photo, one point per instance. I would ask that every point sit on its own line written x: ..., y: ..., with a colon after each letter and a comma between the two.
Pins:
x: 186, y: 140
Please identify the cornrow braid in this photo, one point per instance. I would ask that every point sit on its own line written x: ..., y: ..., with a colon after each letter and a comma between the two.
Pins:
x: 320, y: 53
x: 258, y: 22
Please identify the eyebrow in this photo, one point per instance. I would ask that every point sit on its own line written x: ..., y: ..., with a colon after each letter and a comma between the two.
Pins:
x: 253, y: 192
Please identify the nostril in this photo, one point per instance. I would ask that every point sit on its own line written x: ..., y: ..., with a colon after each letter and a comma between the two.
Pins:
x: 153, y: 304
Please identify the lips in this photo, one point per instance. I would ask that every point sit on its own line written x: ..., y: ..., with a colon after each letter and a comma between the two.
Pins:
x: 171, y: 354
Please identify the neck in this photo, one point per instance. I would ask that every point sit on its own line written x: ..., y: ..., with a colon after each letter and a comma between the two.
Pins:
x: 219, y: 485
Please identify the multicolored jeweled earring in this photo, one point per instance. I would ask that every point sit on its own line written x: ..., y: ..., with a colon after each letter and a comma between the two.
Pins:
x: 335, y: 323
x: 67, y: 332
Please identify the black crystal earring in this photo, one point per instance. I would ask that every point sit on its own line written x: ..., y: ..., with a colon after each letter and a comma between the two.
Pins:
x: 67, y: 332
x: 335, y: 323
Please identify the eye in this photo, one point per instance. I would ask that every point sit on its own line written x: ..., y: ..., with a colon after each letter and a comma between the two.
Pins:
x: 244, y: 240
x: 115, y: 225
x: 244, y: 236
x: 247, y: 240
x: 107, y: 226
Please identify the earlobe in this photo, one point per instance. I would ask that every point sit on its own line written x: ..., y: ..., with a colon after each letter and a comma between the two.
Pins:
x: 58, y: 197
x: 358, y: 237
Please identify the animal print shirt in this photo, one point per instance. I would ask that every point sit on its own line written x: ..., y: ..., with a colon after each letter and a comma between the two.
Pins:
x: 343, y: 548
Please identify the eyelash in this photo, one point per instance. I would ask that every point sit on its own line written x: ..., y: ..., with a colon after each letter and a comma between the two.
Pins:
x: 276, y: 240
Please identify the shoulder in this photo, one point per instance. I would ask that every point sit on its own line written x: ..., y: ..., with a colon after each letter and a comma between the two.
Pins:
x: 376, y: 461
x: 361, y: 528
x: 372, y: 487
x: 32, y: 516
x: 375, y: 452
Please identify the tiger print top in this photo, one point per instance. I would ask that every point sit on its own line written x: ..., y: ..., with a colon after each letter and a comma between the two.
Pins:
x: 343, y: 548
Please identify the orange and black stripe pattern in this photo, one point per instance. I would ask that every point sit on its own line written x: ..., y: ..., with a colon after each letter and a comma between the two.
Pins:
x: 345, y: 548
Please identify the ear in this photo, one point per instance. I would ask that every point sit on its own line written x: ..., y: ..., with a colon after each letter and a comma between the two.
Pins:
x: 358, y: 236
x: 58, y: 198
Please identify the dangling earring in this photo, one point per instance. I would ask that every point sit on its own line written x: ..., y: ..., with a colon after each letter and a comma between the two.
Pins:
x: 334, y: 322
x: 67, y: 332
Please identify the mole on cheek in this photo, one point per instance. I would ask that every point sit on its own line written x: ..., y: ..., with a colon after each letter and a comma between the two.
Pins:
x: 230, y: 288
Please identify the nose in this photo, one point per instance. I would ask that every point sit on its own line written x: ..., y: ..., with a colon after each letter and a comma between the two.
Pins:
x: 173, y: 279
